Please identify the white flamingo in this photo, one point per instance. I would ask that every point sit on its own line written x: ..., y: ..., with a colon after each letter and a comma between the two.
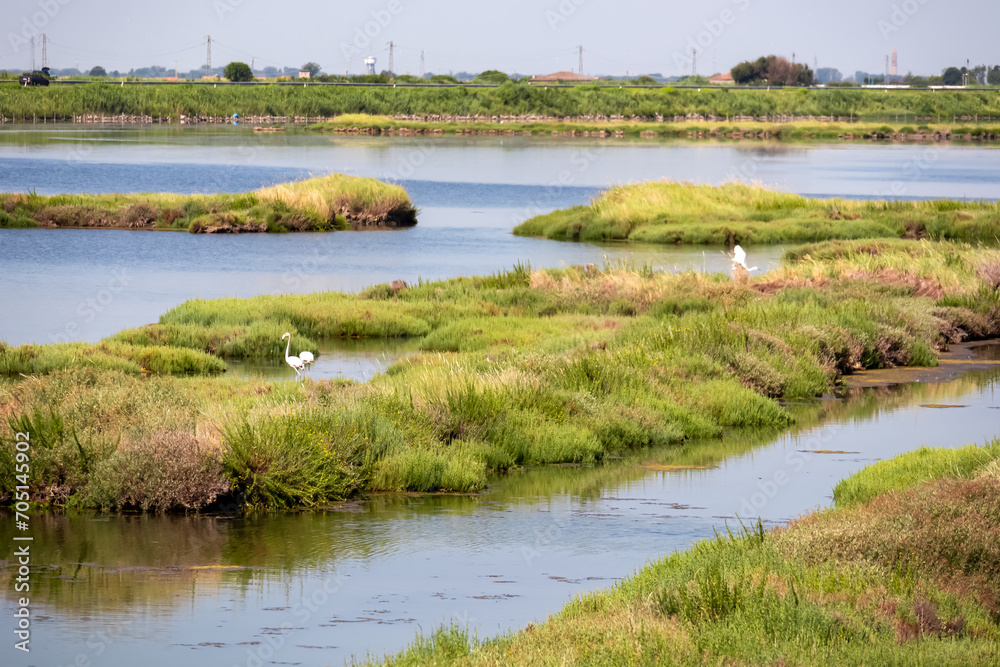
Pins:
x: 306, y: 356
x: 740, y: 258
x: 292, y: 361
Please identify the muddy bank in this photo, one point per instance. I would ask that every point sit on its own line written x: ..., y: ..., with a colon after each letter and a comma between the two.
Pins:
x: 958, y: 359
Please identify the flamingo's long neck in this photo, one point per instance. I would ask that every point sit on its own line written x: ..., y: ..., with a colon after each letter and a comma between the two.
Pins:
x: 287, y: 347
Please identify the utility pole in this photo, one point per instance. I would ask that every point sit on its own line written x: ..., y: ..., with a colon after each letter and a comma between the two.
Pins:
x: 208, y: 58
x: 45, y: 51
x: 391, y: 47
x: 581, y: 60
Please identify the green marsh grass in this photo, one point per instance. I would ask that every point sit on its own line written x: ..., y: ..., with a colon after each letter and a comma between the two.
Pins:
x: 684, y: 213
x: 524, y: 367
x: 171, y: 101
x: 320, y: 204
x: 913, y: 468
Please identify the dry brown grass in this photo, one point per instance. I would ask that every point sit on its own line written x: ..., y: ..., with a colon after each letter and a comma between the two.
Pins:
x: 949, y: 530
x: 166, y: 471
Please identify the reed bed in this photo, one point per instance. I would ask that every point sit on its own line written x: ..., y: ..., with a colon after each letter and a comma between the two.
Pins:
x: 192, y: 101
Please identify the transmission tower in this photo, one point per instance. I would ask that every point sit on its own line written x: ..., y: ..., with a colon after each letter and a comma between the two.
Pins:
x: 694, y: 62
x: 45, y: 51
x: 32, y: 54
x: 208, y: 57
x: 391, y: 47
x: 581, y: 60
x: 422, y: 69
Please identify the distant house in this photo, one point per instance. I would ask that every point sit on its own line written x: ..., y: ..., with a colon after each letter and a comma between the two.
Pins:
x: 721, y: 79
x: 305, y: 74
x: 571, y: 77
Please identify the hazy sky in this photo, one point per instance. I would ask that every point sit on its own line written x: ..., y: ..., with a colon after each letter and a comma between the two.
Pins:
x: 513, y: 36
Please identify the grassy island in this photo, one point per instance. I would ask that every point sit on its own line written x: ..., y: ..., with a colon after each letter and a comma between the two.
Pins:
x: 524, y: 367
x: 907, y: 576
x: 327, y: 203
x: 671, y: 212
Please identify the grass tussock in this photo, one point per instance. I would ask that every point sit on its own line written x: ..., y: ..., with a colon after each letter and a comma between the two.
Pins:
x: 903, y: 578
x: 684, y: 213
x: 321, y: 204
x: 913, y: 468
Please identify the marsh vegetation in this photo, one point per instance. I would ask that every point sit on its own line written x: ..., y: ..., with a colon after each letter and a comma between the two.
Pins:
x: 523, y: 367
x: 735, y: 213
x: 174, y: 101
x: 326, y: 203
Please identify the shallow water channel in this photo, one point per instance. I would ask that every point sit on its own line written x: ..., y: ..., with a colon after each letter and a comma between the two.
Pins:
x: 320, y: 587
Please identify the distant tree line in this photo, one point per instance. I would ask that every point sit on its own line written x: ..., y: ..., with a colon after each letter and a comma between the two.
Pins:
x: 773, y: 70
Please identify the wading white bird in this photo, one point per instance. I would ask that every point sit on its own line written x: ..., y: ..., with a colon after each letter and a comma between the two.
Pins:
x: 306, y: 356
x: 740, y: 258
x: 292, y: 361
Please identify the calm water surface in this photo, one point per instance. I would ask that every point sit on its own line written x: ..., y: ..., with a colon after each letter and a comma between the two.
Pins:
x: 317, y: 588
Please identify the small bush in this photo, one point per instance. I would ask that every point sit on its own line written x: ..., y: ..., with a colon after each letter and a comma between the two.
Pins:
x: 164, y: 472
